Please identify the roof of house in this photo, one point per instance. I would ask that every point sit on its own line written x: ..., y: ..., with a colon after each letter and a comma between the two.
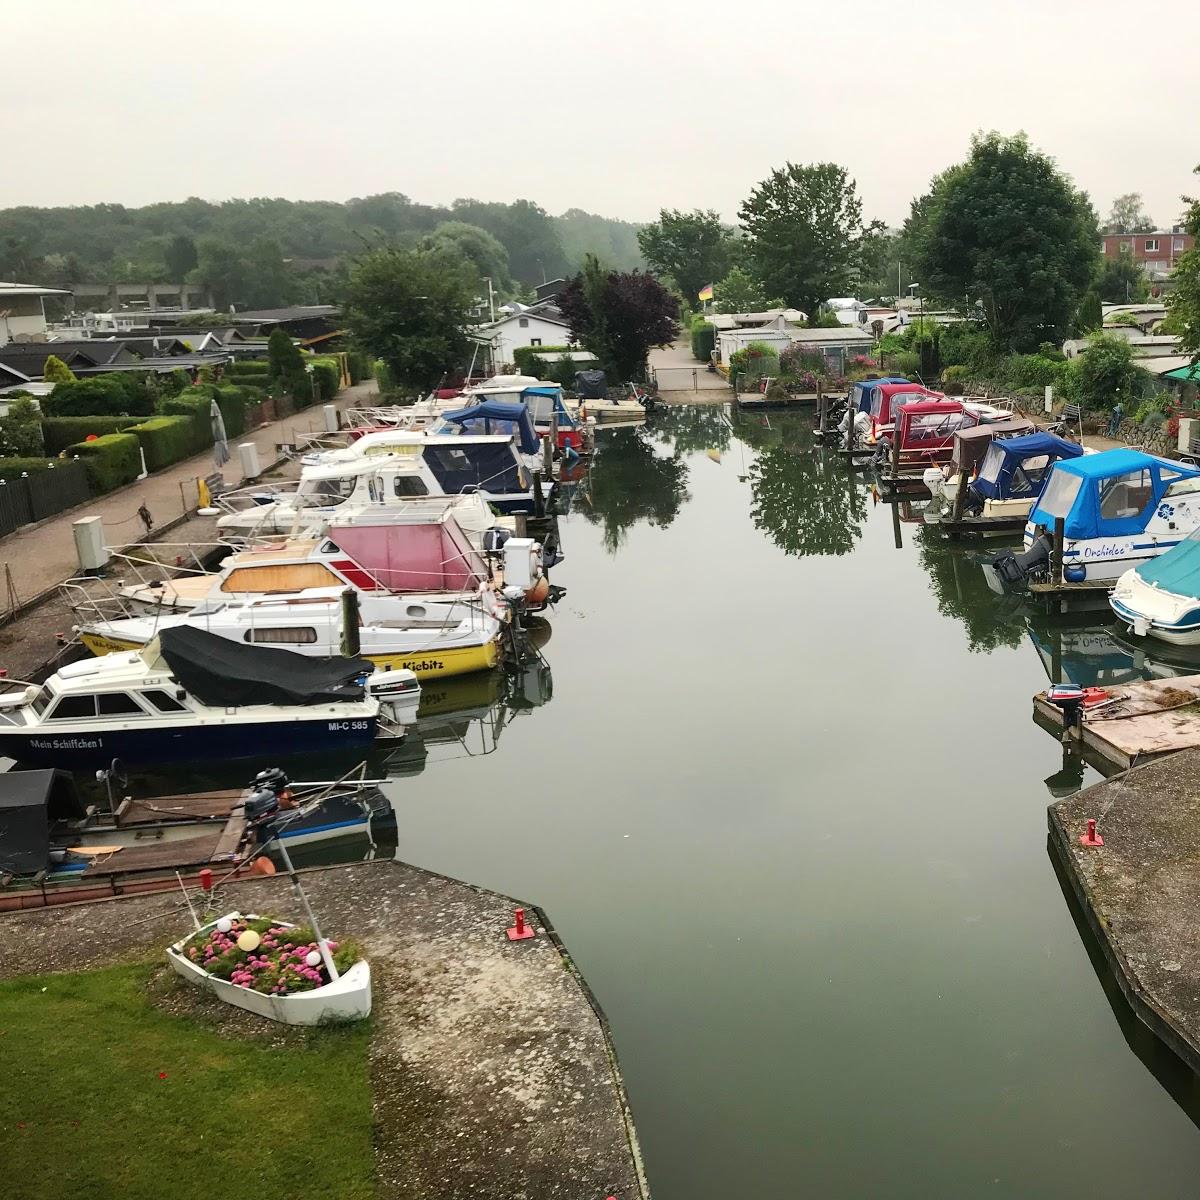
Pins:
x: 11, y: 375
x: 845, y: 333
x: 297, y: 312
x: 30, y: 357
x: 30, y: 289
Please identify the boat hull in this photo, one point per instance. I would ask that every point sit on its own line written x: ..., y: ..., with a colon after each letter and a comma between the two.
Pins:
x: 195, y: 743
x: 425, y: 664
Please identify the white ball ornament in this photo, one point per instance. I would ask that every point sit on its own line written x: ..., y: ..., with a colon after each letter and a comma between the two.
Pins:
x: 248, y: 941
x: 312, y: 958
x: 224, y: 925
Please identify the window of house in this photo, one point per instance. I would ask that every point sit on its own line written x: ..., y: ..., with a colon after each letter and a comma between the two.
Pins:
x: 1152, y: 243
x: 164, y: 702
x: 298, y: 636
x: 523, y: 322
x: 1177, y: 244
x: 118, y: 704
x: 535, y: 341
x: 73, y: 708
x: 1126, y: 245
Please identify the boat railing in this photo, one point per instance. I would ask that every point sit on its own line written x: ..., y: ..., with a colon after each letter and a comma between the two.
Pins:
x: 244, y: 498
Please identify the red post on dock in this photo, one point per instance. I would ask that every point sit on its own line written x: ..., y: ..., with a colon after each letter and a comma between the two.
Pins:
x: 520, y: 931
x: 206, y: 879
x: 1091, y: 838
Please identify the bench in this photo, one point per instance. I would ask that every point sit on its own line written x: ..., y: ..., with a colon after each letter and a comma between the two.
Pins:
x: 1072, y: 413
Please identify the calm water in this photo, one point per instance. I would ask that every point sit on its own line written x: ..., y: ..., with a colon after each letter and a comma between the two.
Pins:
x: 787, y: 807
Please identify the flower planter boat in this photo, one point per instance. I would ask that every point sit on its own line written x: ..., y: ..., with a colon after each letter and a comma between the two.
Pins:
x: 347, y: 998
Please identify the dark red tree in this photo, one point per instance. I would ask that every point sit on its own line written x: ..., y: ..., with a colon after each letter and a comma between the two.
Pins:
x: 618, y: 316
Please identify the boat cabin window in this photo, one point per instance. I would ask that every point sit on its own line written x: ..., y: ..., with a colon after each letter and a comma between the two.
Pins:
x: 409, y: 485
x: 1028, y: 476
x: 1059, y: 496
x: 1126, y: 495
x: 39, y: 702
x: 164, y: 702
x: 72, y: 708
x: 1184, y: 487
x: 329, y: 492
x: 929, y: 427
x: 294, y: 636
x: 118, y: 704
x: 993, y: 460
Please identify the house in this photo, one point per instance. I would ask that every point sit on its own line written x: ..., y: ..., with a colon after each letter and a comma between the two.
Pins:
x: 837, y: 346
x: 23, y: 311
x: 91, y: 355
x: 305, y: 321
x: 538, y: 325
x: 849, y: 311
x: 779, y: 318
x: 549, y: 289
x: 146, y: 297
x: 1156, y: 251
x: 1145, y: 316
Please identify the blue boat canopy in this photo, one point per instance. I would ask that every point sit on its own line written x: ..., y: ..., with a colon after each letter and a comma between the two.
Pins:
x: 498, y: 416
x: 536, y: 399
x: 861, y: 392
x: 1015, y: 468
x: 1178, y: 570
x: 1111, y: 494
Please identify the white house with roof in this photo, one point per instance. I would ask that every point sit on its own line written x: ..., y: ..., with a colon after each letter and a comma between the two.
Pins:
x: 534, y: 326
x: 23, y: 311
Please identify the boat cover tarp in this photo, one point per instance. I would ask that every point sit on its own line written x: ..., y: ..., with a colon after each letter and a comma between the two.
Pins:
x: 29, y: 802
x: 1177, y: 571
x: 865, y: 389
x: 498, y: 416
x: 1084, y: 519
x: 970, y: 445
x: 476, y: 466
x: 565, y: 420
x: 223, y: 673
x: 591, y: 385
x: 1008, y: 480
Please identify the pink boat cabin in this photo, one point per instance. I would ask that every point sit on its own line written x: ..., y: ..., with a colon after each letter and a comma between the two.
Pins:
x: 888, y: 397
x: 926, y: 429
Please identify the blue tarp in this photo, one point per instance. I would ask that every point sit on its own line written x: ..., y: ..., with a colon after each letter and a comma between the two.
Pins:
x: 1083, y: 480
x: 1178, y: 570
x: 1012, y: 481
x: 498, y: 416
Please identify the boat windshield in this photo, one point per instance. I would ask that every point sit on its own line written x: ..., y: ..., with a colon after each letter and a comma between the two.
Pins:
x: 39, y: 702
x: 1059, y: 497
x: 993, y: 460
x: 325, y: 493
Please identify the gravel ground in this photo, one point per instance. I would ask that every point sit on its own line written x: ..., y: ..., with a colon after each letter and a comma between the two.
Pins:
x: 492, y: 1074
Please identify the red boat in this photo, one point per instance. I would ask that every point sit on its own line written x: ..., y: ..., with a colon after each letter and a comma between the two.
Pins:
x: 926, y: 429
x: 888, y: 397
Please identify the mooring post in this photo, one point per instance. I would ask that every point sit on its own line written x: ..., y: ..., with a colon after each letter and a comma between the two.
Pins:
x: 547, y: 456
x: 960, y: 496
x: 896, y: 451
x: 539, y: 501
x: 1056, y: 553
x: 897, y: 531
x: 822, y: 414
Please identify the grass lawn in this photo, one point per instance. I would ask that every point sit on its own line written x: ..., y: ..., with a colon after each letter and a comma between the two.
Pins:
x: 104, y: 1093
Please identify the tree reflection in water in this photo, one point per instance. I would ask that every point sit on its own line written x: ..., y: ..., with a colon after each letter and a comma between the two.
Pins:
x: 629, y: 482
x: 962, y: 592
x: 801, y: 494
x: 691, y: 428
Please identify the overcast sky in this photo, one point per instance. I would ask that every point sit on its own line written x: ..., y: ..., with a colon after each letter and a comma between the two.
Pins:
x: 620, y: 107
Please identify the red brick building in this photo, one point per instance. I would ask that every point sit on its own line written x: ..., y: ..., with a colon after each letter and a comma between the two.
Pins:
x: 1157, y: 251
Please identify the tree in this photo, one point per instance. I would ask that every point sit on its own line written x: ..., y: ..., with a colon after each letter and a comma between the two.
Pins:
x: 221, y: 270
x: 54, y: 370
x: 693, y: 248
x: 527, y: 231
x: 21, y: 428
x: 1008, y: 230
x: 410, y: 308
x: 1184, y: 304
x: 1104, y: 373
x: 1127, y: 215
x: 1090, y: 315
x: 805, y: 230
x: 180, y: 257
x: 740, y: 292
x: 1121, y: 280
x: 477, y: 247
x: 619, y: 316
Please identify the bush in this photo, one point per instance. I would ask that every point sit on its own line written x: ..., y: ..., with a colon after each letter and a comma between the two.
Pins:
x: 14, y: 468
x: 358, y: 365
x: 249, y: 367
x: 100, y: 395
x: 704, y: 339
x: 196, y: 404
x: 966, y: 345
x: 797, y: 360
x: 906, y: 362
x: 755, y: 360
x: 1029, y: 371
x: 328, y: 374
x: 54, y: 370
x: 232, y: 402
x: 21, y: 429
x: 1103, y: 374
x: 60, y: 432
x: 529, y: 360
x: 111, y: 461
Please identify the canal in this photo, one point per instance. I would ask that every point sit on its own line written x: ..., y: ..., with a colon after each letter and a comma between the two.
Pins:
x: 788, y: 809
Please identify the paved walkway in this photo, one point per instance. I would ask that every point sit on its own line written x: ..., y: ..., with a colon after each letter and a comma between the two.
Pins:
x: 683, y: 380
x: 42, y: 556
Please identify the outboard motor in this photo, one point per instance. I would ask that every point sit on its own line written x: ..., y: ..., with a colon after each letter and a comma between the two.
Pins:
x: 261, y: 804
x: 1016, y: 569
x: 494, y: 539
x: 273, y: 778
x: 1068, y: 699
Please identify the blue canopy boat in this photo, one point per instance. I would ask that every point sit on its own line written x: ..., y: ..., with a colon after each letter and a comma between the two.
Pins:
x: 1161, y: 598
x: 1014, y: 469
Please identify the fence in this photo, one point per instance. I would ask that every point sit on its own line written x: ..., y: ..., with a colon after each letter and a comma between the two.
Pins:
x: 41, y: 494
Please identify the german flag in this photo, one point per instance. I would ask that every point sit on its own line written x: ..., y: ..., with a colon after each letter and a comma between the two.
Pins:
x: 706, y: 293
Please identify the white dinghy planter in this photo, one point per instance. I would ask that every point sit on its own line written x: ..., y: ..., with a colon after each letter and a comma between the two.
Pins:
x: 345, y: 998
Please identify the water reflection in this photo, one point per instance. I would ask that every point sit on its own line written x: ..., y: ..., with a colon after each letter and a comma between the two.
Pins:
x: 629, y: 482
x: 691, y: 429
x: 800, y: 494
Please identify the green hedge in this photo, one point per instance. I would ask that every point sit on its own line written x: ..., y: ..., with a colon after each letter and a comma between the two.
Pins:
x: 14, y: 468
x: 529, y: 359
x: 358, y: 365
x: 165, y: 440
x: 60, y: 432
x: 100, y: 395
x: 111, y: 461
x: 328, y: 374
x: 249, y: 367
x: 704, y: 339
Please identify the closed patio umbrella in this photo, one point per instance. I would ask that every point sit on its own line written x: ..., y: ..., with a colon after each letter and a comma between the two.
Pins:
x: 220, y: 445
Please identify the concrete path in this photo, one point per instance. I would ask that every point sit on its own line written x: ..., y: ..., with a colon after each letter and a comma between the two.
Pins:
x: 683, y: 380
x: 42, y: 556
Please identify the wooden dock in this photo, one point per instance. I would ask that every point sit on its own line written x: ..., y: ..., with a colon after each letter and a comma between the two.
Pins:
x: 980, y: 526
x: 1142, y: 721
x: 759, y: 400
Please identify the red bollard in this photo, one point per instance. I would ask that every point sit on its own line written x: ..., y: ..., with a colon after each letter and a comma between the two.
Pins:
x: 206, y: 879
x: 520, y: 931
x: 1091, y: 838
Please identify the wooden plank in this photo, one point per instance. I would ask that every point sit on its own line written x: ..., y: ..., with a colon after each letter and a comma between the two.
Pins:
x: 231, y: 837
x: 1050, y: 588
x: 201, y: 806
x: 165, y: 854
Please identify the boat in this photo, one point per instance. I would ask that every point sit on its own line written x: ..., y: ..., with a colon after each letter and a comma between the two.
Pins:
x: 396, y: 632
x: 924, y: 433
x: 548, y: 407
x: 1001, y: 469
x: 1161, y: 598
x: 861, y: 394
x: 1119, y: 509
x: 54, y: 849
x: 189, y: 696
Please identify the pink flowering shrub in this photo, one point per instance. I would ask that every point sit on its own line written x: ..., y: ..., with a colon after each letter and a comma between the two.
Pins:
x: 277, y: 967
